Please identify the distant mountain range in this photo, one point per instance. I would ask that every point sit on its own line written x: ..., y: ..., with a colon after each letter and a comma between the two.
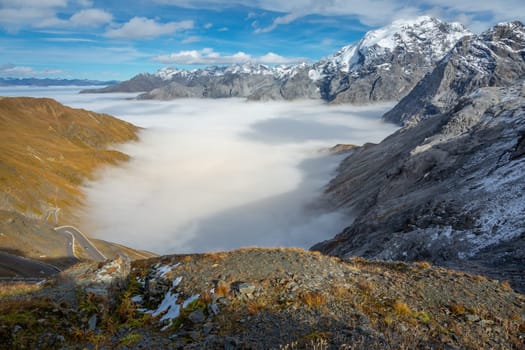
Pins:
x: 53, y: 82
x: 383, y: 66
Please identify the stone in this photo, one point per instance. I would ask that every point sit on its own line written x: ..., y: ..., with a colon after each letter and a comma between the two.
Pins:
x: 206, y: 329
x: 197, y: 316
x: 243, y: 288
x: 472, y: 318
x: 213, y: 309
x: 92, y: 323
x: 231, y: 343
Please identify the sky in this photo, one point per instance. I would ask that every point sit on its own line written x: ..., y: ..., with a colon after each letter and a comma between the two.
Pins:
x: 115, y: 40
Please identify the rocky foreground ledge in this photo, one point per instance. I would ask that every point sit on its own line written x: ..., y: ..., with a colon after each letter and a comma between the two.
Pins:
x: 262, y: 299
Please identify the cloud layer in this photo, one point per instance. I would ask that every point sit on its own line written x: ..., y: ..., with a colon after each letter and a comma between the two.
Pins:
x: 211, y: 174
x: 209, y: 56
x: 143, y: 28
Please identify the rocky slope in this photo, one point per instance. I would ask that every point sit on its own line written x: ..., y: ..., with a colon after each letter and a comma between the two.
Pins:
x: 494, y: 58
x: 262, y: 299
x: 448, y: 187
x: 383, y: 66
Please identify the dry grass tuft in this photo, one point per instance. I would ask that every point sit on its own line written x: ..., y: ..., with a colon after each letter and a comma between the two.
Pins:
x: 255, y: 306
x: 423, y: 264
x: 339, y: 291
x: 506, y: 286
x: 457, y: 309
x: 222, y: 290
x: 401, y: 308
x: 313, y: 299
x: 17, y: 288
x: 365, y: 286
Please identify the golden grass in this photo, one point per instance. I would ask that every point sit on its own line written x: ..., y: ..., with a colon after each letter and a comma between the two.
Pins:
x: 365, y: 286
x: 222, y: 290
x: 313, y: 299
x: 401, y: 308
x: 48, y: 150
x: 457, y: 309
x: 17, y: 288
x: 255, y: 306
x: 423, y: 264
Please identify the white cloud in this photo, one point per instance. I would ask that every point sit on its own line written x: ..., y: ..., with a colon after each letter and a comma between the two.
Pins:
x: 70, y: 40
x: 90, y: 18
x: 372, y: 12
x: 289, y: 18
x: 15, y: 15
x: 143, y: 28
x: 208, y: 25
x: 14, y: 71
x: 208, y: 56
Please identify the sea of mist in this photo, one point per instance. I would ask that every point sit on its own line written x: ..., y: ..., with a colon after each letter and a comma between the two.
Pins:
x: 212, y: 175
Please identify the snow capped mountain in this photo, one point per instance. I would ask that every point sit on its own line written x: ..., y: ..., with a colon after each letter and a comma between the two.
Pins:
x: 383, y: 66
x: 279, y: 72
x: 494, y: 58
x: 427, y: 35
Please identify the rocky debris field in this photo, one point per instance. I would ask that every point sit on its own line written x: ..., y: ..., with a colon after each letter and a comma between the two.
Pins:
x: 262, y: 299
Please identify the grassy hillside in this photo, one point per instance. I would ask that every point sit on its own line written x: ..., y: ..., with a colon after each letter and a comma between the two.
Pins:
x: 47, y: 150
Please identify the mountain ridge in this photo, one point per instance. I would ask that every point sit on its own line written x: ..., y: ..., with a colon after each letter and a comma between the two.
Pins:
x: 382, y: 66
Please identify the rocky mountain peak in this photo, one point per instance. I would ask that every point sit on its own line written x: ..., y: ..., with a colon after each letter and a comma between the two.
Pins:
x: 494, y: 58
x: 511, y: 34
x: 383, y: 66
x: 425, y: 34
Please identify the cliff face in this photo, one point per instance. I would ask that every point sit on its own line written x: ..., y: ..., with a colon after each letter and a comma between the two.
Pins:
x: 446, y: 187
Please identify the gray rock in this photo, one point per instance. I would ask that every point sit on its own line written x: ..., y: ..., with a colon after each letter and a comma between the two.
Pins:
x: 213, y: 309
x: 197, y: 316
x: 243, y: 288
x: 472, y: 318
x: 92, y: 323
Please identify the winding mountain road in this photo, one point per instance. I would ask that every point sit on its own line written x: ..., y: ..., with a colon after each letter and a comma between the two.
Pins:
x: 24, y: 267
x: 73, y: 235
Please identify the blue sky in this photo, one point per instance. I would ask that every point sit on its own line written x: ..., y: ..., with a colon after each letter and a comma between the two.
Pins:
x: 115, y: 39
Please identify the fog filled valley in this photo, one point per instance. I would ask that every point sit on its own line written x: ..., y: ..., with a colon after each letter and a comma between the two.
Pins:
x: 370, y: 199
x: 212, y: 175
